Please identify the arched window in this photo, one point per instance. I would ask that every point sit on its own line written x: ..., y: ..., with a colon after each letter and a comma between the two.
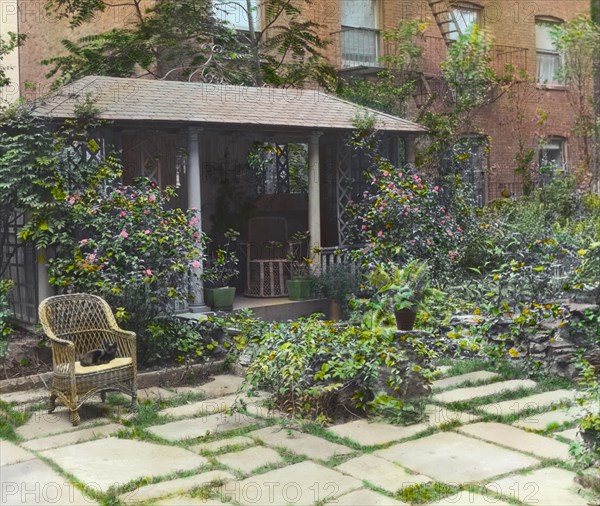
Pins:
x: 466, y: 15
x: 548, y: 57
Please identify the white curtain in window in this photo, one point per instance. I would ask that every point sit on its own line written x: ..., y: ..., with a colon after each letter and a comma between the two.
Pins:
x: 358, y: 13
x: 548, y: 65
x: 235, y: 13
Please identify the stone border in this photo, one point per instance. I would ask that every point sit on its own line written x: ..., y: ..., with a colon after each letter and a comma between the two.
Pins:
x: 145, y: 379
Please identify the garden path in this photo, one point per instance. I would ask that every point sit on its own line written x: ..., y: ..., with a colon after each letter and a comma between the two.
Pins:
x: 467, y: 451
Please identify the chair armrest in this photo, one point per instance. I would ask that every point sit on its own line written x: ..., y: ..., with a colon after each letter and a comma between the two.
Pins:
x: 63, y: 351
x: 126, y: 342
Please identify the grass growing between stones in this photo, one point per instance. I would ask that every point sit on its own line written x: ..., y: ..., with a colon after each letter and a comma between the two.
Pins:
x: 10, y: 419
x: 506, y: 370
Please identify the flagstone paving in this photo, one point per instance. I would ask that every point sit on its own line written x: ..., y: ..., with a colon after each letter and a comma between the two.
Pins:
x: 536, y: 401
x: 453, y: 458
x: 368, y: 433
x: 549, y: 486
x: 113, y: 461
x: 571, y: 434
x: 518, y: 439
x: 453, y: 381
x: 466, y: 394
x: 498, y: 456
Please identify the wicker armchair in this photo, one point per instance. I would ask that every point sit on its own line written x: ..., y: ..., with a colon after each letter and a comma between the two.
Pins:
x: 76, y: 324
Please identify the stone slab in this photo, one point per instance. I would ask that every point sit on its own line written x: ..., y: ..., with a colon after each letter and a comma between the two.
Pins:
x: 182, y: 500
x: 437, y: 415
x: 381, y: 473
x: 35, y: 483
x: 218, y: 446
x: 12, y: 454
x: 453, y: 458
x: 466, y: 394
x: 368, y: 433
x: 453, y: 381
x: 68, y: 438
x: 536, y: 401
x: 549, y: 486
x: 42, y: 423
x: 468, y: 498
x: 177, y: 486
x: 300, y: 484
x: 250, y: 458
x: 518, y: 439
x: 300, y: 443
x: 541, y: 421
x: 211, y: 406
x: 221, y: 385
x: 571, y: 434
x: 113, y: 461
x: 155, y: 394
x: 366, y: 498
x: 202, y: 426
x: 25, y: 396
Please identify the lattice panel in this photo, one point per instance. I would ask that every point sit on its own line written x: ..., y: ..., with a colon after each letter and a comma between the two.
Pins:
x: 282, y: 167
x: 344, y: 190
x: 266, y: 278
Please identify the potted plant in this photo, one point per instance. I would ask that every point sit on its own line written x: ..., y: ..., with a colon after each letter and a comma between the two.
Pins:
x: 221, y: 269
x: 403, y: 289
x: 337, y: 282
x: 301, y: 284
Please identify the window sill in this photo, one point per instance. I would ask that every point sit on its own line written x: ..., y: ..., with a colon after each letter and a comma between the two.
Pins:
x: 551, y: 87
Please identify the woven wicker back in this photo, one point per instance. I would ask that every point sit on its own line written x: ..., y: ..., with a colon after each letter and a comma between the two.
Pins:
x: 83, y: 319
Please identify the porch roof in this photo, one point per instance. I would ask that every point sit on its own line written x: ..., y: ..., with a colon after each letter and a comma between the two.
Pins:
x: 144, y: 100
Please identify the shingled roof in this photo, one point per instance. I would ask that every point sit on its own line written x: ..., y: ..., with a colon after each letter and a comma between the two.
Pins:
x: 143, y: 100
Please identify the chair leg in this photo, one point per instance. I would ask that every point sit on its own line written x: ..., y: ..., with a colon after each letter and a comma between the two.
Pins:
x: 103, y: 396
x: 52, y: 403
x: 134, y: 404
x: 75, y: 417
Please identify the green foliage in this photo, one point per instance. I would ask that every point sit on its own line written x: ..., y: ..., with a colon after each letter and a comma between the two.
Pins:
x: 316, y: 368
x: 5, y: 313
x: 129, y: 247
x: 6, y: 47
x: 338, y: 281
x: 223, y: 266
x: 590, y: 402
x: 10, y: 418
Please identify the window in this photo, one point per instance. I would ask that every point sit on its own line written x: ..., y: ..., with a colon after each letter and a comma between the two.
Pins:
x: 280, y: 168
x: 465, y: 16
x: 551, y: 155
x: 235, y: 12
x: 359, y: 37
x: 548, y: 57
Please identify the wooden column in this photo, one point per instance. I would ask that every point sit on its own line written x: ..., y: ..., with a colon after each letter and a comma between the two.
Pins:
x: 195, y: 202
x: 314, y: 194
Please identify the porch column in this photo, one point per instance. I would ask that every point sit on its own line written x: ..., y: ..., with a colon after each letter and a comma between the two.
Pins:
x: 314, y: 195
x: 409, y: 147
x: 195, y: 202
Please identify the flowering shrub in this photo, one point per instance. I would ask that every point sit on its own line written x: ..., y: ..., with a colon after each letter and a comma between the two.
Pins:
x: 400, y: 218
x: 131, y: 249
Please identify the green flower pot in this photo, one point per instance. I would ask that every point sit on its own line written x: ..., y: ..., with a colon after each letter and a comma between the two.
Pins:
x: 220, y: 299
x: 300, y: 289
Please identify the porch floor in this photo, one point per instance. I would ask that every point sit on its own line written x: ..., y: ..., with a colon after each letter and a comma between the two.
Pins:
x: 274, y: 308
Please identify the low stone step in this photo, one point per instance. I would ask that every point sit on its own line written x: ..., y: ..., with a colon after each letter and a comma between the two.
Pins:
x: 438, y: 415
x: 211, y: 406
x: 541, y: 421
x: 218, y: 446
x: 179, y: 485
x: 464, y: 378
x: 249, y: 459
x: 202, y: 426
x: 465, y: 394
x: 25, y: 396
x: 223, y: 384
x: 549, y: 486
x: 517, y: 439
x: 11, y: 454
x: 571, y: 434
x: 367, y: 433
x: 298, y: 442
x: 535, y: 401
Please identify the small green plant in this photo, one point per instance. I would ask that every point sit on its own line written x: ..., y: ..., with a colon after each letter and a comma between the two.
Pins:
x: 590, y: 401
x: 5, y: 314
x: 224, y: 266
x: 338, y: 281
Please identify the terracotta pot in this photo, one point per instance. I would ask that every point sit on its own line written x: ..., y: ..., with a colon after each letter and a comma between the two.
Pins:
x: 405, y: 319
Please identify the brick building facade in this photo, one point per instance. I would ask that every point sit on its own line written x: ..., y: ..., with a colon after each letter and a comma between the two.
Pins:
x: 355, y: 26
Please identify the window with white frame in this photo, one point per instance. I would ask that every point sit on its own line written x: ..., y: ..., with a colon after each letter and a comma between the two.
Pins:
x: 359, y: 37
x: 465, y: 17
x: 236, y: 13
x: 551, y: 155
x: 548, y: 57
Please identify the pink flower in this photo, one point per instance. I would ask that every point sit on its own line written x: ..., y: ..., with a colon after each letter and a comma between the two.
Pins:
x: 124, y: 234
x: 148, y: 272
x: 459, y: 230
x: 122, y: 214
x: 436, y: 189
x: 72, y: 200
x: 380, y: 233
x: 152, y: 198
x: 453, y: 255
x: 386, y: 173
x: 364, y: 227
x: 91, y: 258
x: 83, y: 242
x: 193, y: 221
x: 400, y: 174
x: 443, y: 222
x: 196, y: 235
x: 146, y: 211
x: 147, y: 231
x: 196, y: 264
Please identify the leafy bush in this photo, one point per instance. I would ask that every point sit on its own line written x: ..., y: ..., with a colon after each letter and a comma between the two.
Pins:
x: 5, y: 313
x: 318, y: 369
x: 129, y: 247
x: 224, y: 266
